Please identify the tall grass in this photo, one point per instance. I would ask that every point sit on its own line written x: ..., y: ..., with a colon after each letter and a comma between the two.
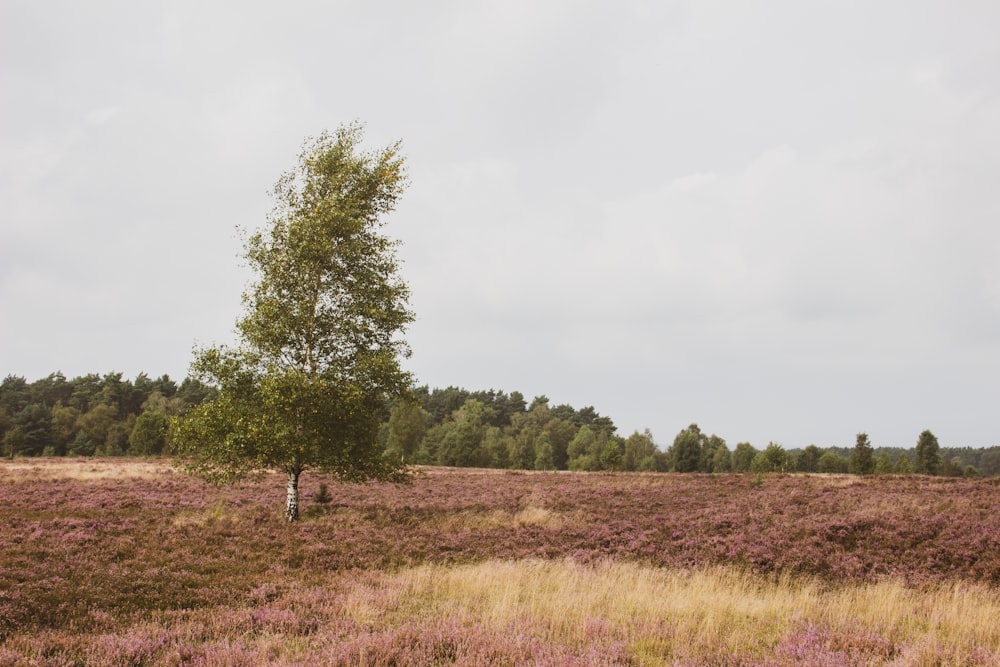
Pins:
x: 699, y: 615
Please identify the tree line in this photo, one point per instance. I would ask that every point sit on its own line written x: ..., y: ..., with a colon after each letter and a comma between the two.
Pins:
x: 103, y: 415
x: 109, y: 415
x: 494, y: 429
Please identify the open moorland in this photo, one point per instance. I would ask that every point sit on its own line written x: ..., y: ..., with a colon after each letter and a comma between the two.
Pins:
x: 129, y: 562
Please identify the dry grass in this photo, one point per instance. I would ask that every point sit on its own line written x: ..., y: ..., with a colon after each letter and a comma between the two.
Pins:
x: 668, y: 613
x: 84, y: 469
x: 467, y: 520
x: 217, y: 513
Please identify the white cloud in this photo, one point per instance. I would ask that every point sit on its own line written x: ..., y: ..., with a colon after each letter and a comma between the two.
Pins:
x: 692, y: 181
x: 103, y: 115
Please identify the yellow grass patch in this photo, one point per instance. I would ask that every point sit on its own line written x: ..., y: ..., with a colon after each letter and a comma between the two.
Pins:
x: 667, y: 613
x: 84, y: 469
x: 531, y: 515
x: 217, y: 513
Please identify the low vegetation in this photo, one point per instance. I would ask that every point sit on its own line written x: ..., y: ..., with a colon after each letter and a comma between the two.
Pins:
x: 119, y: 561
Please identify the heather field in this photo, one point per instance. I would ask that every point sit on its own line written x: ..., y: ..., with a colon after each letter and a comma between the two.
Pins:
x: 128, y: 562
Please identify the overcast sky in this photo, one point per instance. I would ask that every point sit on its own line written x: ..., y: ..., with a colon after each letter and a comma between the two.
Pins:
x: 777, y: 219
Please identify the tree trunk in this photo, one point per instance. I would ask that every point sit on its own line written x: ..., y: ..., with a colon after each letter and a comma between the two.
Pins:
x: 292, y: 506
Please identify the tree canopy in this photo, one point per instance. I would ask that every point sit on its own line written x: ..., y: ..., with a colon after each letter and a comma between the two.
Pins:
x: 320, y: 340
x: 928, y: 454
x: 863, y: 457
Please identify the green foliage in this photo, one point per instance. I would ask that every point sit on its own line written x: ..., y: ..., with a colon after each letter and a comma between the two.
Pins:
x: 544, y: 453
x: 639, y: 448
x: 709, y: 447
x: 560, y: 433
x: 722, y: 460
x: 928, y: 455
x: 776, y: 456
x: 407, y: 427
x: 320, y: 338
x: 772, y: 459
x: 507, y: 433
x: 117, y: 441
x: 611, y: 455
x: 831, y: 462
x: 862, y: 459
x: 686, y: 450
x: 496, y: 447
x: 461, y: 445
x: 31, y: 430
x: 65, y: 419
x: 504, y: 408
x: 582, y: 450
x: 52, y: 412
x: 82, y: 445
x: 521, y: 449
x: 4, y: 421
x: 106, y: 407
x: 743, y: 456
x: 952, y: 468
x: 808, y: 460
x: 989, y: 462
x: 97, y: 422
x: 149, y: 435
x: 14, y: 393
x: 15, y: 441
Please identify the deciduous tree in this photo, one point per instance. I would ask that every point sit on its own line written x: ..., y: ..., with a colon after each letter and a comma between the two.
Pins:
x: 149, y: 434
x: 584, y: 449
x: 686, y: 450
x: 407, y: 426
x: 883, y: 464
x: 743, y: 456
x: 320, y: 340
x: 722, y: 460
x: 831, y: 462
x: 97, y: 422
x: 64, y: 426
x: 544, y: 458
x: 640, y: 450
x: 809, y: 459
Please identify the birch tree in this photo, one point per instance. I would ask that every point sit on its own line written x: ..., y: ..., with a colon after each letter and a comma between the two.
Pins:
x: 320, y: 340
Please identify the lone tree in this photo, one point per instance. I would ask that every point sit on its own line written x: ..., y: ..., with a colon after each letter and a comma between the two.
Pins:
x: 320, y: 339
x: 928, y: 454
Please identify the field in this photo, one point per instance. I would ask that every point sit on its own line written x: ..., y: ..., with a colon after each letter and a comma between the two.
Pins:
x: 129, y: 562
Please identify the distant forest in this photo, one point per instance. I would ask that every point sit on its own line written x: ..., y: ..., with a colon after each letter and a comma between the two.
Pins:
x: 109, y: 415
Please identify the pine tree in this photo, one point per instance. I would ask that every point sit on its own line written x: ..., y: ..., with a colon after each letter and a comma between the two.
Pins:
x: 863, y: 459
x: 928, y: 455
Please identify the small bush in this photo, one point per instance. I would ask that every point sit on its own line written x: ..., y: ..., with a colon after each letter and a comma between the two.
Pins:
x: 323, y: 496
